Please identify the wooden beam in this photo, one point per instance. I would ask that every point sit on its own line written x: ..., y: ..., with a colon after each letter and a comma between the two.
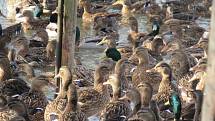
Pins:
x: 58, y: 52
x: 208, y: 109
x: 70, y: 16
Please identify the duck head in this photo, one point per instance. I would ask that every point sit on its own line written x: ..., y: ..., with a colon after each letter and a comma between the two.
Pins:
x: 142, y: 54
x: 109, y: 41
x: 155, y: 28
x: 163, y: 68
x: 66, y: 77
x: 146, y: 91
x: 100, y: 74
x: 133, y: 23
x: 115, y: 83
x: 203, y: 43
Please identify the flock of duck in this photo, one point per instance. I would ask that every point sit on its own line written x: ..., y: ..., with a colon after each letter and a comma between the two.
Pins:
x: 158, y: 76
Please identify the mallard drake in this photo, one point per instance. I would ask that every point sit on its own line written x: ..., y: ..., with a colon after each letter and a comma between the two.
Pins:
x: 35, y: 98
x: 71, y: 112
x: 93, y: 100
x: 9, y: 111
x: 115, y: 109
x: 140, y: 74
x: 55, y: 108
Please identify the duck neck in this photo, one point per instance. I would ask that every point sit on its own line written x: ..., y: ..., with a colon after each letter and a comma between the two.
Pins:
x: 134, y: 27
x: 72, y: 104
x: 166, y: 77
x: 98, y: 80
x: 117, y: 89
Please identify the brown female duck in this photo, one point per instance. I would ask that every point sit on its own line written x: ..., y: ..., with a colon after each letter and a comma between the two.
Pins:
x: 115, y: 109
x: 71, y: 112
x: 134, y: 35
x: 89, y: 14
x: 31, y: 23
x: 35, y: 98
x: 93, y: 100
x: 140, y: 74
x: 55, y: 108
x: 6, y: 113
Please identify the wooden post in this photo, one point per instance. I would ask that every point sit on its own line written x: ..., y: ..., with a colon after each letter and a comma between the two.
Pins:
x: 70, y: 15
x: 208, y: 109
x: 59, y: 42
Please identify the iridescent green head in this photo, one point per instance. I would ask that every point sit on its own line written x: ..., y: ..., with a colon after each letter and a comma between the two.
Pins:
x: 175, y: 104
x: 113, y: 53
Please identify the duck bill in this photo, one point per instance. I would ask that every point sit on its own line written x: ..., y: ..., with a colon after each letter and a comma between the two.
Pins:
x: 118, y: 2
x: 195, y: 46
x: 151, y: 70
x: 167, y: 103
x: 196, y: 76
x: 57, y: 76
x: 106, y: 83
x: 103, y: 41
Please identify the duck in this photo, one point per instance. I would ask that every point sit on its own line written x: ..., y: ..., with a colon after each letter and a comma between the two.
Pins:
x: 89, y: 14
x: 144, y: 111
x: 193, y: 109
x: 35, y: 98
x: 13, y: 87
x: 7, y: 114
x: 93, y: 99
x: 6, y: 70
x: 71, y: 111
x: 202, y: 43
x: 116, y: 109
x: 139, y: 74
x: 83, y: 77
x: 199, y: 73
x: 54, y: 110
x: 180, y: 59
x: 167, y: 84
x: 134, y: 35
x: 20, y: 107
x: 21, y: 46
x: 30, y: 22
x: 50, y: 50
x: 39, y: 38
